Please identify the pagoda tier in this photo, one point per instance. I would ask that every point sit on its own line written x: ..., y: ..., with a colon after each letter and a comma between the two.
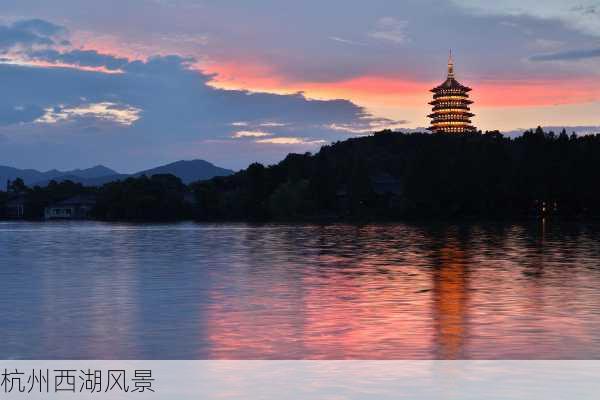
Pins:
x: 451, y: 111
x: 451, y: 115
x: 451, y: 103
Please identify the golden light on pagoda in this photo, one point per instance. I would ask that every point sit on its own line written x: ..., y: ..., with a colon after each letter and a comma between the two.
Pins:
x: 451, y: 112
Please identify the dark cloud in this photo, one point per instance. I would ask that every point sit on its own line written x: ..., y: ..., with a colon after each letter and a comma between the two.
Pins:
x: 180, y: 114
x: 148, y: 112
x: 85, y: 58
x: 567, y: 55
x: 40, y: 27
x: 29, y: 33
x: 160, y: 64
x: 93, y: 58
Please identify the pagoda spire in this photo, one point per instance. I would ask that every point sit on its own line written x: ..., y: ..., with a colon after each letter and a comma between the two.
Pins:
x: 450, y: 65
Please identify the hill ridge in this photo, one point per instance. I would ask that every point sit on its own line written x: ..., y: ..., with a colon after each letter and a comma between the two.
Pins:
x: 187, y: 170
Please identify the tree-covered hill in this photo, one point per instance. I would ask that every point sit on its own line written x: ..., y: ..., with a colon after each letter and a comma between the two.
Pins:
x: 393, y: 175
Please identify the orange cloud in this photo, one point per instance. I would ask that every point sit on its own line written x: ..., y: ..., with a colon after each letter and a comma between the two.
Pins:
x: 536, y: 93
x: 108, y: 44
x: 395, y: 97
x: 257, y: 77
x: 371, y: 91
x: 374, y: 91
x: 245, y: 75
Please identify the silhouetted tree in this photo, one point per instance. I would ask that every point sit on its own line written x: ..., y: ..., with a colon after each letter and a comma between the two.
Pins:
x: 158, y: 198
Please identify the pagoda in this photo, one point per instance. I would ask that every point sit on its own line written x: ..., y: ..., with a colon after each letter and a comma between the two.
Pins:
x: 451, y: 112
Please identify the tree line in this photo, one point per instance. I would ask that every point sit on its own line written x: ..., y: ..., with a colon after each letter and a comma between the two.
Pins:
x: 386, y: 176
x: 156, y: 198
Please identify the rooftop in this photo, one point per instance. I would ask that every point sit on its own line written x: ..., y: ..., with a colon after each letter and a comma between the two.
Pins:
x: 451, y: 83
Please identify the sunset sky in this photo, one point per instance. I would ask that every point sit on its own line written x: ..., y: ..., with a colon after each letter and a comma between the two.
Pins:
x: 136, y: 83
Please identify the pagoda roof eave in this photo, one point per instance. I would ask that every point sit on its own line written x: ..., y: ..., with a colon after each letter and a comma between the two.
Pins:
x: 438, y: 89
x: 451, y: 83
x: 464, y: 101
x: 466, y: 117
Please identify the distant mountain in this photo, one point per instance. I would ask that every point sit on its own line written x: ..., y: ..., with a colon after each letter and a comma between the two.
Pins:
x: 32, y: 176
x: 187, y: 171
x: 28, y: 175
x: 95, y: 172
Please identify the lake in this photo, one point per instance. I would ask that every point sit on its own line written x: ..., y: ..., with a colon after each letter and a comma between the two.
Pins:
x: 89, y: 290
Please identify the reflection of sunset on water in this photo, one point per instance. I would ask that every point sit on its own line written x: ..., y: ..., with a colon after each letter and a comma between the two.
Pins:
x: 384, y: 292
x: 450, y: 302
x: 358, y: 307
x: 389, y: 291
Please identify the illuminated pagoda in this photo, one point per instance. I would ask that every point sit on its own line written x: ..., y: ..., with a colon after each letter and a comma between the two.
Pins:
x: 451, y: 112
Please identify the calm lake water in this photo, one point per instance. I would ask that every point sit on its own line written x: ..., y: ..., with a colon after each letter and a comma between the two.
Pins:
x: 91, y: 290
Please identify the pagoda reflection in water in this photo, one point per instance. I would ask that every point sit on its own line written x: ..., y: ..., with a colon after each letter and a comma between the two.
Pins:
x: 451, y: 112
x: 450, y: 302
